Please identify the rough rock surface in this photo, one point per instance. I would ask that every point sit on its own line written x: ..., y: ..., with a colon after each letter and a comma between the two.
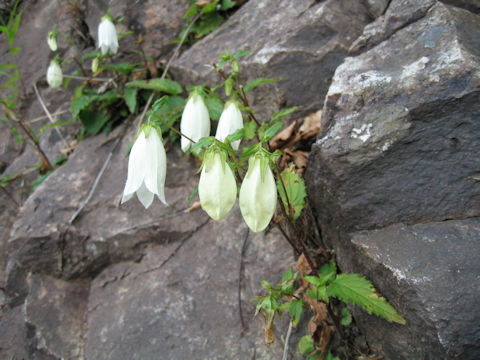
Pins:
x: 399, y: 145
x: 311, y: 42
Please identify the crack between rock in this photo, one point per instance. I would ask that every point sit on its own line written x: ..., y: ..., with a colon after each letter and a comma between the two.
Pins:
x: 175, y: 251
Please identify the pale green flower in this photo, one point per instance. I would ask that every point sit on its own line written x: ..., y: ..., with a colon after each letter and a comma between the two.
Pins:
x: 107, y: 36
x: 147, y: 167
x: 195, y: 121
x: 230, y: 121
x: 258, y: 194
x: 52, y: 39
x: 54, y: 74
x: 217, y: 188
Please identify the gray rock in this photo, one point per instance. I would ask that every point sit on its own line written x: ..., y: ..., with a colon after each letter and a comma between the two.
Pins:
x: 181, y: 299
x: 399, y: 14
x: 299, y: 41
x: 377, y: 7
x: 57, y: 311
x: 471, y: 5
x: 398, y: 147
x: 430, y: 273
x: 399, y: 136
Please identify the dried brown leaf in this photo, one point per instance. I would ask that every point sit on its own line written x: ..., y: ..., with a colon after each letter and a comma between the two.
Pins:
x: 282, y: 137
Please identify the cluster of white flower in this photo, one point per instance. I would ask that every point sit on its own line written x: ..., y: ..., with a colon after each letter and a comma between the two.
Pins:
x: 217, y: 187
x: 107, y: 42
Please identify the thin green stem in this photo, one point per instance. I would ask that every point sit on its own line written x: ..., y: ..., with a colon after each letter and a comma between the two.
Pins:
x: 174, y: 130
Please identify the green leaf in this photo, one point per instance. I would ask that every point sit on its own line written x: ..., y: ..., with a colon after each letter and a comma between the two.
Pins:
x: 346, y: 317
x: 326, y: 274
x: 192, y: 11
x: 214, y: 105
x: 305, y: 345
x: 158, y: 84
x: 287, y: 275
x: 208, y: 23
x: 296, y: 308
x: 250, y: 129
x: 256, y: 82
x: 14, y: 50
x: 281, y: 114
x: 210, y: 7
x: 40, y: 179
x: 318, y: 293
x: 91, y: 54
x: 130, y: 97
x: 315, y: 356
x: 296, y: 191
x: 357, y: 290
x: 124, y: 68
x: 228, y: 4
x: 202, y: 143
x: 240, y: 54
x: 271, y: 131
x: 331, y: 357
x: 55, y: 124
x: 94, y: 121
x: 249, y: 151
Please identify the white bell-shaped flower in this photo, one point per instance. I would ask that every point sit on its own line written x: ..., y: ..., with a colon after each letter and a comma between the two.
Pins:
x: 54, y: 74
x: 230, y: 121
x: 147, y: 167
x: 258, y: 194
x: 195, y: 121
x: 217, y: 188
x: 107, y: 36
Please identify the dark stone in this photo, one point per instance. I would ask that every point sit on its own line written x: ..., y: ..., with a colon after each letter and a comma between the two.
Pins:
x: 180, y: 301
x: 393, y: 179
x: 470, y: 5
x: 429, y: 272
x: 400, y: 131
x: 399, y: 14
x: 302, y: 42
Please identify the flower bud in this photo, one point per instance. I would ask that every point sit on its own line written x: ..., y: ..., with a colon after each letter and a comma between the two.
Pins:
x: 52, y: 40
x: 95, y: 65
x: 217, y: 188
x: 107, y: 36
x: 195, y: 121
x: 258, y: 194
x: 147, y: 167
x: 230, y: 121
x: 54, y: 74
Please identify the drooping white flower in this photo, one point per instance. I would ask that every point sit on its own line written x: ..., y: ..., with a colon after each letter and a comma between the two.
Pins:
x: 107, y: 36
x: 147, y: 167
x: 52, y: 39
x: 195, y: 121
x: 258, y: 194
x: 230, y: 121
x: 54, y: 74
x: 217, y: 188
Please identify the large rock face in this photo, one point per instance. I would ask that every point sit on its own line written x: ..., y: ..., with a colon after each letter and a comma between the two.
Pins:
x: 301, y: 41
x: 398, y: 147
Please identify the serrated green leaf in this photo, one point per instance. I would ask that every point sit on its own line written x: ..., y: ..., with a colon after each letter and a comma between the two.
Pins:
x: 296, y: 191
x: 305, y: 345
x: 296, y: 308
x: 326, y: 274
x: 124, y: 68
x: 201, y: 144
x: 318, y: 293
x: 249, y: 151
x: 357, y: 290
x: 130, y: 97
x: 346, y: 317
x: 256, y: 82
x: 164, y: 85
